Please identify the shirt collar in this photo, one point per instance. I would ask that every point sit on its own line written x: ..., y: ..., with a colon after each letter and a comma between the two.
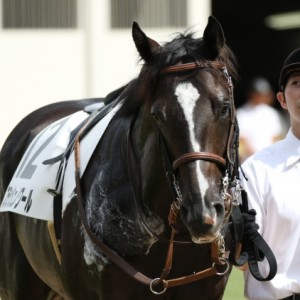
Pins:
x: 292, y: 148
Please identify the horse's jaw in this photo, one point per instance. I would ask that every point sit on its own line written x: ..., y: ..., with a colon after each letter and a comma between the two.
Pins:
x: 153, y: 227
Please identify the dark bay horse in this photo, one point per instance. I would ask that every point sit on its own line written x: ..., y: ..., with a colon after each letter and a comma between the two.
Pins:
x: 149, y: 212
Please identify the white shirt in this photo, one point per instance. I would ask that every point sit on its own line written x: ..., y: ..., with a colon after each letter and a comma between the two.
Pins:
x: 273, y: 189
x: 259, y: 125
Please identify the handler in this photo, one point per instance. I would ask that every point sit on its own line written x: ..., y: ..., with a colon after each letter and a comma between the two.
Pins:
x: 272, y: 182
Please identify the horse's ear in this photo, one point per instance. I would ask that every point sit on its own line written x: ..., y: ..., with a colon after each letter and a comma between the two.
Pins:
x: 213, y: 36
x: 146, y: 46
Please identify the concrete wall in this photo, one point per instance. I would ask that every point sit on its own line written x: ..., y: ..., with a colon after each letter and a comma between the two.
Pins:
x: 43, y: 66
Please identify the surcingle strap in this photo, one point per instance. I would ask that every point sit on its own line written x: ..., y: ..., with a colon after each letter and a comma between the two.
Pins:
x: 57, y: 211
x: 53, y: 238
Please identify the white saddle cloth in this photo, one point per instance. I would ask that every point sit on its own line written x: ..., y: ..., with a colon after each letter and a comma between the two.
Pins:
x: 27, y: 193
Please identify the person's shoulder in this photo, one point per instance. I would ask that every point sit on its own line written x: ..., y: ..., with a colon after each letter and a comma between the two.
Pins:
x: 266, y: 109
x: 268, y: 156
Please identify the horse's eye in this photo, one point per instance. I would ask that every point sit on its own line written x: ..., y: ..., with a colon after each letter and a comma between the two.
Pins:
x: 225, y: 108
x: 154, y: 116
x: 158, y: 114
x: 187, y: 59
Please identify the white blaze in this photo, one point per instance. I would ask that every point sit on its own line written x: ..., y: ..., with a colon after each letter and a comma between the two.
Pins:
x: 187, y: 96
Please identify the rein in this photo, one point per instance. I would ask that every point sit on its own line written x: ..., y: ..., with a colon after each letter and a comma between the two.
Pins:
x: 217, y: 251
x: 126, y: 267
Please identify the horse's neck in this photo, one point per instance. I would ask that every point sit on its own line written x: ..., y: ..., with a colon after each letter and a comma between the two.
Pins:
x: 115, y: 206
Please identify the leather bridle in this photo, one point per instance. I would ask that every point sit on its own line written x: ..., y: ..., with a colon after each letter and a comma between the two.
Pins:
x: 228, y: 163
x: 191, y: 156
x: 230, y: 160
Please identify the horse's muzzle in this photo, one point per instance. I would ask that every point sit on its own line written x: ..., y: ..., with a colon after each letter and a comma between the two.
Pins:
x: 203, y: 223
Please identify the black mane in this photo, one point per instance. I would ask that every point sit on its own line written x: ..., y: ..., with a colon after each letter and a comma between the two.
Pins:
x: 183, y: 48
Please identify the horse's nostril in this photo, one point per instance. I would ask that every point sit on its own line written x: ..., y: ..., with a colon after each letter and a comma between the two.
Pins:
x: 219, y: 209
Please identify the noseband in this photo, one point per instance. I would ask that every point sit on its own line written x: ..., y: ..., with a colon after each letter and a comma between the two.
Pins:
x: 191, y: 156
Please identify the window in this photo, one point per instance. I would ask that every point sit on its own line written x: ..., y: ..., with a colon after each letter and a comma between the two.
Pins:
x: 149, y: 13
x: 17, y: 14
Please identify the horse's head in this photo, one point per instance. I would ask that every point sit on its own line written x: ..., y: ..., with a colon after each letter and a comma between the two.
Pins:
x: 187, y: 91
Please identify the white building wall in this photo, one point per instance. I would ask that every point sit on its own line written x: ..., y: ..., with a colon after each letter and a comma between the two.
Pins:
x: 39, y: 67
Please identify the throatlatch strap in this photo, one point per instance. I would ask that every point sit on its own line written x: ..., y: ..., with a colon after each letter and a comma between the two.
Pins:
x: 57, y: 211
